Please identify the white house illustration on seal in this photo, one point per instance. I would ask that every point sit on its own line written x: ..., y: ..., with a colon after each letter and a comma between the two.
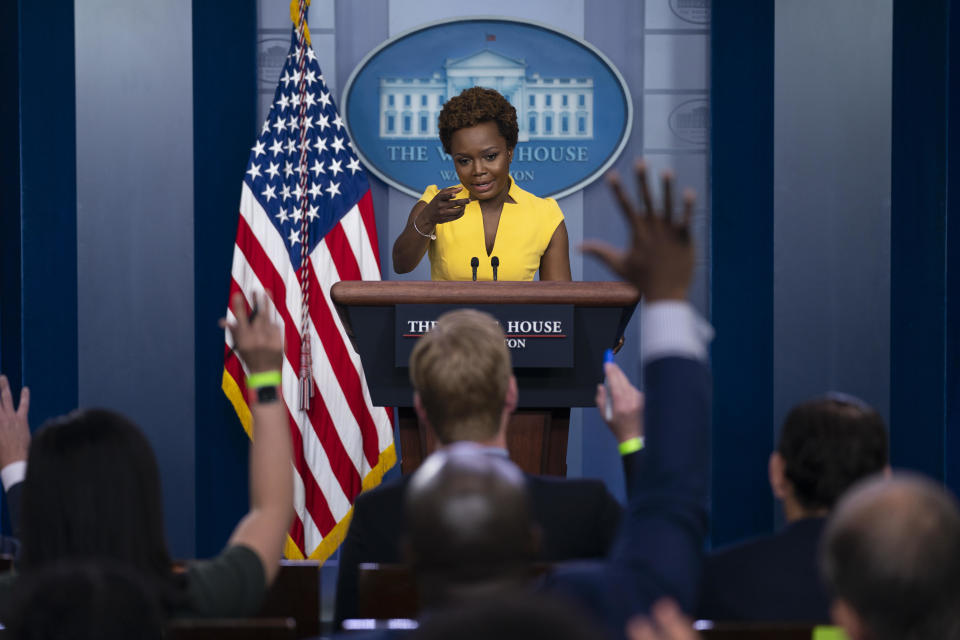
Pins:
x: 547, y: 108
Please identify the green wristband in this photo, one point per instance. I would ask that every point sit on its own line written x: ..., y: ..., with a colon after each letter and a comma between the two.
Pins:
x: 263, y: 379
x: 631, y: 446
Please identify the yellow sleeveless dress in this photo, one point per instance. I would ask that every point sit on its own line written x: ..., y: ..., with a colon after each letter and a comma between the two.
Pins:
x: 523, y: 235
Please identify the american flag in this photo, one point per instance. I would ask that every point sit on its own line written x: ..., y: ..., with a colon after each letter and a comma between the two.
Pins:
x: 342, y: 443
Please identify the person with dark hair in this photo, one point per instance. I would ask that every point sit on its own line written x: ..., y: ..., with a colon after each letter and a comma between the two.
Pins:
x: 891, y: 561
x: 92, y: 493
x: 826, y: 445
x: 521, y: 616
x: 465, y: 391
x: 85, y: 601
x: 521, y: 233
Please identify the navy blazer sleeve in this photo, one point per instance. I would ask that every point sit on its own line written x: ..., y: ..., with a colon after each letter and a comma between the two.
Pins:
x: 631, y: 465
x: 658, y: 549
x: 13, y: 507
x: 666, y: 519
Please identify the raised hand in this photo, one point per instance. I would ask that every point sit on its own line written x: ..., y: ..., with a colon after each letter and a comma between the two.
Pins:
x: 257, y: 340
x: 14, y: 428
x: 259, y: 343
x: 627, y: 420
x: 666, y: 622
x: 659, y: 261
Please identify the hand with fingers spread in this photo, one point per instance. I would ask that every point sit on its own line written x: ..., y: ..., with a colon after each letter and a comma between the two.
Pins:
x: 14, y: 429
x: 627, y: 421
x: 666, y: 622
x: 659, y: 261
x: 258, y: 342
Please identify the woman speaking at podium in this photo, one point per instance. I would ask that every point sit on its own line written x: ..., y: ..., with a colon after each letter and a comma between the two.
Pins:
x: 486, y: 227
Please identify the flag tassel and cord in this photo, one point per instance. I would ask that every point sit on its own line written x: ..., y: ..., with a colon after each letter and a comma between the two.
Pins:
x: 306, y: 361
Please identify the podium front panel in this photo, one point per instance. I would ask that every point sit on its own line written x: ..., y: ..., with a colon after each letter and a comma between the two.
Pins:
x: 595, y: 329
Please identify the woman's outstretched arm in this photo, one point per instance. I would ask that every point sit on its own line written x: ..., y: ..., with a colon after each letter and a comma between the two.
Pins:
x: 259, y: 344
x: 413, y: 241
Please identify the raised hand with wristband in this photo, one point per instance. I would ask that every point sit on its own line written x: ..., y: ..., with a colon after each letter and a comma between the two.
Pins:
x: 259, y: 343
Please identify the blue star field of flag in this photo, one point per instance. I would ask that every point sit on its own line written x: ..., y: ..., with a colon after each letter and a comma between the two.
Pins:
x: 336, y: 181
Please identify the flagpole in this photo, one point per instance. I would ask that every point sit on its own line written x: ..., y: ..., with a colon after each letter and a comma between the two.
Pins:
x: 306, y: 360
x: 342, y: 443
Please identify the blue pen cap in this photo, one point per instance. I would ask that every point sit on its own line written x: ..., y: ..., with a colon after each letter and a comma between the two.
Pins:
x: 608, y: 356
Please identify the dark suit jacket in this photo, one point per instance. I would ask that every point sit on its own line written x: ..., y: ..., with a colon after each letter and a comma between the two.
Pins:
x: 578, y: 517
x: 10, y: 545
x: 13, y: 507
x: 772, y: 579
x: 657, y: 551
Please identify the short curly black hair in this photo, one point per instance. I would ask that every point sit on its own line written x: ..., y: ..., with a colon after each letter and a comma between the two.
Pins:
x: 476, y: 105
x: 828, y: 444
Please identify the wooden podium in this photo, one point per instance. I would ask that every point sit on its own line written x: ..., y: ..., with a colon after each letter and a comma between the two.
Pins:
x: 537, y: 435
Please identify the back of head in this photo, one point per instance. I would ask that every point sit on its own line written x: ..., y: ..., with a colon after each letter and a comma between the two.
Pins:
x: 891, y: 550
x: 828, y: 444
x: 523, y: 617
x: 461, y: 370
x: 92, y: 491
x: 469, y: 525
x: 86, y: 600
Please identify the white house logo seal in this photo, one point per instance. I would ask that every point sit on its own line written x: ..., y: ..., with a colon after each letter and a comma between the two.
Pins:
x: 573, y: 106
x: 690, y: 121
x: 693, y: 11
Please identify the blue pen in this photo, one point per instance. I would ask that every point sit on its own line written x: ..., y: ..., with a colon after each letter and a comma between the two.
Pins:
x: 608, y: 407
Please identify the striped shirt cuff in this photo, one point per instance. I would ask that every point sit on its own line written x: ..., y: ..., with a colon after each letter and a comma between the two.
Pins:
x: 672, y: 328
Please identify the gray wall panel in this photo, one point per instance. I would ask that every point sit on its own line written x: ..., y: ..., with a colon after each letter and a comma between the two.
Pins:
x: 832, y: 97
x: 135, y: 230
x: 373, y: 15
x: 663, y: 57
x: 566, y: 15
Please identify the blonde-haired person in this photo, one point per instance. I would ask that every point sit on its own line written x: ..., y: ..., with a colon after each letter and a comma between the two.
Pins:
x: 464, y: 389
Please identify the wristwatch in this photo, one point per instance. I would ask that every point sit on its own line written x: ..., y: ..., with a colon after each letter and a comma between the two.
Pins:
x: 267, y: 394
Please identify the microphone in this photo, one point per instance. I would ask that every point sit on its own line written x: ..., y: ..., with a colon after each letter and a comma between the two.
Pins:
x: 494, y: 262
x: 474, y: 263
